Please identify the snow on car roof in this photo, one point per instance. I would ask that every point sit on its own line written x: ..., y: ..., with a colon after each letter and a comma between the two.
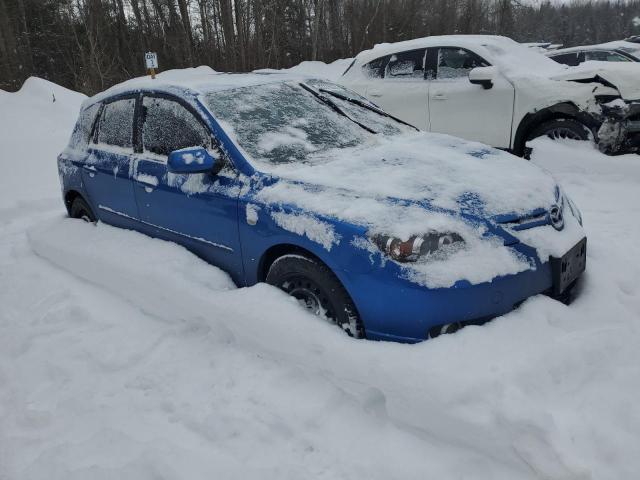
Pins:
x: 382, y: 49
x: 196, y: 81
x: 624, y: 46
x: 509, y: 55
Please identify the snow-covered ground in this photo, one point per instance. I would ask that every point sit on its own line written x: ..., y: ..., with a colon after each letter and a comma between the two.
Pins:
x: 127, y: 357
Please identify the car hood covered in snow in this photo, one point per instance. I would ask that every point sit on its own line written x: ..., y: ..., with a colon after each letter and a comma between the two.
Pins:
x: 412, y: 183
x: 621, y: 75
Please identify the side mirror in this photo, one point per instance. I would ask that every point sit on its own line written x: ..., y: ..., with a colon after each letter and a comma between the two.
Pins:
x: 191, y: 160
x: 483, y: 76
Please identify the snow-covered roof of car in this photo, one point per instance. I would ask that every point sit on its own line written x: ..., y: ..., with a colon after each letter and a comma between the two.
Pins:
x: 504, y: 52
x: 200, y: 80
x: 629, y: 47
x: 592, y: 48
x: 382, y: 49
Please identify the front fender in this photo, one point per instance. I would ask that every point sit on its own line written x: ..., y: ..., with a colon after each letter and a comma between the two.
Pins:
x: 263, y: 227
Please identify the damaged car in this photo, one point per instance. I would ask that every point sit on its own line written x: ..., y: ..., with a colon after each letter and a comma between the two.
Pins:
x: 389, y: 232
x: 494, y: 90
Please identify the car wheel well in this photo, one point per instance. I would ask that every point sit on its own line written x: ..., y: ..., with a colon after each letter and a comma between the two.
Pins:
x: 277, y: 251
x: 533, y: 120
x: 69, y: 197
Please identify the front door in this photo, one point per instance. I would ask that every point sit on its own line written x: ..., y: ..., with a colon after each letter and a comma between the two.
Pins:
x: 197, y: 210
x: 106, y: 173
x: 397, y: 85
x: 458, y: 107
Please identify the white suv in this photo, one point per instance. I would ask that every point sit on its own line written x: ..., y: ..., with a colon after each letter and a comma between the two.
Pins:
x: 496, y: 91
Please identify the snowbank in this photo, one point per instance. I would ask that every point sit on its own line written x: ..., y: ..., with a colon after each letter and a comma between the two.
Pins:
x: 330, y: 71
x: 123, y: 356
x: 35, y: 125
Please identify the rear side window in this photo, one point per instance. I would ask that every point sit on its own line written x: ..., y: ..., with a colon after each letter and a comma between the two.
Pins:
x: 169, y: 126
x: 457, y: 62
x: 604, y: 56
x: 375, y: 68
x: 406, y: 64
x: 82, y: 130
x: 116, y: 123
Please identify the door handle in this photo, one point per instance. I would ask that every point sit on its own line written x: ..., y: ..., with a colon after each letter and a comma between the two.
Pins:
x: 149, y: 183
x: 439, y: 96
x: 91, y: 169
x: 375, y: 93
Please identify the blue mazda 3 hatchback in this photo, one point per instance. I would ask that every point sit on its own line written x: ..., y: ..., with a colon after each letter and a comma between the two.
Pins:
x: 389, y: 232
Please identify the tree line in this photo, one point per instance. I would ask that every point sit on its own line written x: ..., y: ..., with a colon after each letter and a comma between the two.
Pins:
x: 89, y: 45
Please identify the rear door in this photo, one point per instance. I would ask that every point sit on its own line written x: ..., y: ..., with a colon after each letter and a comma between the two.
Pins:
x: 460, y: 108
x: 398, y: 85
x: 197, y: 210
x: 106, y: 173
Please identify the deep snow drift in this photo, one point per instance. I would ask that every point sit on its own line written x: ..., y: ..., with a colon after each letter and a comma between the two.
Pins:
x: 126, y: 357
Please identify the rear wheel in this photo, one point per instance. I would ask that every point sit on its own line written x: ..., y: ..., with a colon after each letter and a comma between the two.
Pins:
x: 80, y: 209
x: 315, y: 286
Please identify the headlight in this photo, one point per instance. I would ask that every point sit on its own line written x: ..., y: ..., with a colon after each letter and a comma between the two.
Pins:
x: 417, y: 246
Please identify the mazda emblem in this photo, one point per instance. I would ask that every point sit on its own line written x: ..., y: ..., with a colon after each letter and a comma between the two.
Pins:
x: 556, y: 217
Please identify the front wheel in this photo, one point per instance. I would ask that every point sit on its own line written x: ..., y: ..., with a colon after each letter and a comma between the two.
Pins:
x: 315, y: 286
x: 562, y: 128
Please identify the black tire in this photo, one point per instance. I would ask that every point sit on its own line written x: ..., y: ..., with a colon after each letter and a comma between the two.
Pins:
x: 444, y: 329
x: 561, y: 128
x: 81, y: 209
x: 315, y: 285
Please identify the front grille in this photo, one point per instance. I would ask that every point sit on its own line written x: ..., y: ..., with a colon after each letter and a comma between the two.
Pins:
x: 535, y: 219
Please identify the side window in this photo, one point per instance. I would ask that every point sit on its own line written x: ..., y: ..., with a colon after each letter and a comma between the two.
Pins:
x: 406, y: 64
x: 570, y: 59
x: 604, y: 56
x: 116, y: 123
x: 375, y: 68
x: 82, y: 130
x: 457, y: 62
x: 169, y: 126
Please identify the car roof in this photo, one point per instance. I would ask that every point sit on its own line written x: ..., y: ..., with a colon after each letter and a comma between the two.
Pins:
x: 513, y: 58
x: 462, y: 41
x: 621, y: 45
x: 192, y: 82
x: 587, y: 48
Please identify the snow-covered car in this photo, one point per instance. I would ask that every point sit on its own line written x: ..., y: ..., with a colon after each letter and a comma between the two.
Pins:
x: 496, y: 91
x: 390, y: 232
x: 593, y: 53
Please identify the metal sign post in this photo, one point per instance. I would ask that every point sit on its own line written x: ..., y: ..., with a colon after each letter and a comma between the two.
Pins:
x: 151, y: 61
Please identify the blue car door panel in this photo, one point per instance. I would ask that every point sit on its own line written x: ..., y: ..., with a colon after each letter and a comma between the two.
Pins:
x: 106, y: 172
x: 198, y: 210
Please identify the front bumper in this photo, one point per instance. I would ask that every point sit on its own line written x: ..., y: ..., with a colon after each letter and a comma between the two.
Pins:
x: 396, y: 309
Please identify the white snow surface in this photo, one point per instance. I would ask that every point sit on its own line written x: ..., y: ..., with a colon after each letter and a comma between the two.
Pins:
x: 331, y: 71
x: 126, y: 357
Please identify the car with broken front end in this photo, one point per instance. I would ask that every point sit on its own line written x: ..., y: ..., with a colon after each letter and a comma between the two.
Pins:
x: 491, y: 89
x: 389, y: 232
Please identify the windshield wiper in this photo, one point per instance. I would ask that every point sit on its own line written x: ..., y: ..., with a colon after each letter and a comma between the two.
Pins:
x: 335, y: 107
x: 366, y: 105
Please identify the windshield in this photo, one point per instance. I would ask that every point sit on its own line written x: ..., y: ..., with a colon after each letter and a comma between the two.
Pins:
x: 288, y: 122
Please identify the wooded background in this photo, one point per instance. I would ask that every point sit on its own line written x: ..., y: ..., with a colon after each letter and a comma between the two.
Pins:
x: 89, y: 45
